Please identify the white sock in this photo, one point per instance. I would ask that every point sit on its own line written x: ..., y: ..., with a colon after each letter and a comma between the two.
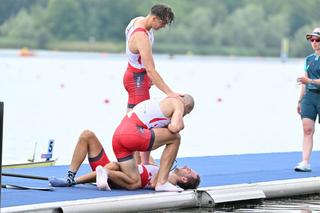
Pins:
x: 102, y: 178
x: 168, y: 187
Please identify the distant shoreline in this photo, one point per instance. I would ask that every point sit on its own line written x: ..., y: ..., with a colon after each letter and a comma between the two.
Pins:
x: 68, y: 53
x: 119, y: 47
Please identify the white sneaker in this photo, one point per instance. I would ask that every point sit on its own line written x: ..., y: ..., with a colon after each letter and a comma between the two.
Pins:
x: 168, y: 187
x: 102, y: 178
x: 303, y: 167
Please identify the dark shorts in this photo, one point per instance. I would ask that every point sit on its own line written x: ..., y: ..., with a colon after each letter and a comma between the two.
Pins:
x: 131, y: 136
x: 310, y: 105
x: 100, y: 160
x: 137, y: 84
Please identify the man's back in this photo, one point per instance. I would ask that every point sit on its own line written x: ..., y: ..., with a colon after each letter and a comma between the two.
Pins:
x: 150, y: 114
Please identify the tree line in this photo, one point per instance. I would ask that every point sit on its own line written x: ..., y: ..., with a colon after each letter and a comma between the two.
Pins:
x: 215, y: 27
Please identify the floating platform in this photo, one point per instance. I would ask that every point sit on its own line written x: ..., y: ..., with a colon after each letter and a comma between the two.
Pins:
x: 224, y: 179
x: 29, y: 164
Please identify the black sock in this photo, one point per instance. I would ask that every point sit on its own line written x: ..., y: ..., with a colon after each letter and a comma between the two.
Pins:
x: 70, y: 177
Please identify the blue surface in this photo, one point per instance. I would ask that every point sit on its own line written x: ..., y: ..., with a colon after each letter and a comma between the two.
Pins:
x: 213, y: 170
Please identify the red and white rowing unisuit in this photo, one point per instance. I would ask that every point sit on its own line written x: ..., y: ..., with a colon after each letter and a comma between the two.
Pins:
x: 147, y: 173
x: 150, y: 114
x: 135, y: 79
x: 135, y: 132
x: 135, y: 58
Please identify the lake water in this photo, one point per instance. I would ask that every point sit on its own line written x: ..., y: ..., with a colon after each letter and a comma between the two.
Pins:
x: 243, y: 105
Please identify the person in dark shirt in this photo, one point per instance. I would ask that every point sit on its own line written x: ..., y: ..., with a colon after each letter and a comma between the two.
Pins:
x: 309, y: 99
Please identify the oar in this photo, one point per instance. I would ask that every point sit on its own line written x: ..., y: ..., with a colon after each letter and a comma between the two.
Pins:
x: 33, y: 177
x: 24, y: 176
x: 11, y: 186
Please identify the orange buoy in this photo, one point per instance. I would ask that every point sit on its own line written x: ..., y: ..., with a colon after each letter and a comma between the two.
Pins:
x: 25, y: 52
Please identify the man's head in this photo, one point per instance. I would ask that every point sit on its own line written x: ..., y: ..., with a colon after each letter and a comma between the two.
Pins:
x: 161, y: 16
x: 188, y: 103
x: 314, y: 38
x: 187, y: 178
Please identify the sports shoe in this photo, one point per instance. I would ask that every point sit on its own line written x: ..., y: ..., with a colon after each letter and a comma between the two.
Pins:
x: 168, y: 187
x: 61, y: 182
x: 102, y: 178
x: 303, y: 167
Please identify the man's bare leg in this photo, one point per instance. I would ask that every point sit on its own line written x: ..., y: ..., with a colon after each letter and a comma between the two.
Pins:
x: 86, y: 178
x: 168, y: 156
x: 88, y: 144
x: 308, y: 131
x: 172, y: 141
x: 118, y: 179
x: 129, y: 173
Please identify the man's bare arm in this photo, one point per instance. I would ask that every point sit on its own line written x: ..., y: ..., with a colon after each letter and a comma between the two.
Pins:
x: 176, y: 124
x: 122, y: 180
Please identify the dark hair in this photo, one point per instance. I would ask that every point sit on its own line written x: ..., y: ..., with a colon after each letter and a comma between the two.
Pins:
x: 163, y: 12
x: 192, y: 183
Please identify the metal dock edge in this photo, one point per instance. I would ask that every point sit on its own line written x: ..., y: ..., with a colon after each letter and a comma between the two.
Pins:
x: 202, y: 197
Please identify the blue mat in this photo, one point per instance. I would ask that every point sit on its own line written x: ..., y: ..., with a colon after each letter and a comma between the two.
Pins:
x: 213, y: 170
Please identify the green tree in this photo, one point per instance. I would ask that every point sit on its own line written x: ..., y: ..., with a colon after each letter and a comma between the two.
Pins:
x: 64, y: 19
x: 10, y: 8
x: 242, y: 27
x: 299, y: 46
